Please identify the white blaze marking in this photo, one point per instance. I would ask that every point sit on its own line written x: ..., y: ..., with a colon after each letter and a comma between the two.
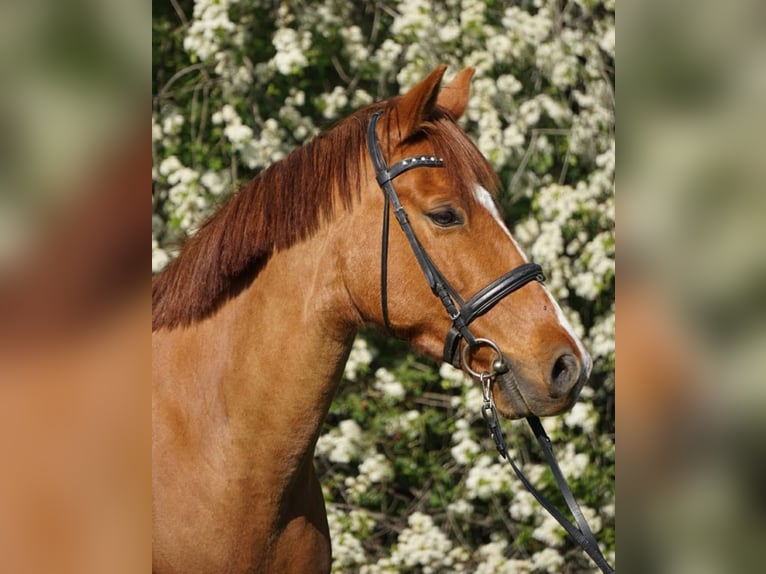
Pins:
x: 564, y: 322
x: 485, y: 199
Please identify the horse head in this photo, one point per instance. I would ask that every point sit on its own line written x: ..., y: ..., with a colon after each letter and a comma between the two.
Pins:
x: 449, y: 205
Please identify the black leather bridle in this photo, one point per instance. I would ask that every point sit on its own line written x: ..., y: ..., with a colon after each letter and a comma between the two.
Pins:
x: 462, y: 313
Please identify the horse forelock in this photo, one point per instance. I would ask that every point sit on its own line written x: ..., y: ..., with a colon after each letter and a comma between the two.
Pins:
x: 465, y: 166
x: 288, y: 203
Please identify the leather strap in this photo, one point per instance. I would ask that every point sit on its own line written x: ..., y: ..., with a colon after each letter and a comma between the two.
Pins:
x: 487, y: 298
x: 582, y: 534
x: 384, y: 264
x: 585, y: 538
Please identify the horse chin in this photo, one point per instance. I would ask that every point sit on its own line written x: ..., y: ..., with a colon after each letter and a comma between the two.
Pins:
x: 510, y: 402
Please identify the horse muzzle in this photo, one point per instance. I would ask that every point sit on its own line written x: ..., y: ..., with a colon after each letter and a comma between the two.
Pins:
x: 517, y: 397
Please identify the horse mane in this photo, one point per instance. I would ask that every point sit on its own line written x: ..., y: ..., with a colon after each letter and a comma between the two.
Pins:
x: 287, y: 203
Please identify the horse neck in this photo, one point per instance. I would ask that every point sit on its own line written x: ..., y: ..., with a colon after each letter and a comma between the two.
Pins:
x: 262, y: 371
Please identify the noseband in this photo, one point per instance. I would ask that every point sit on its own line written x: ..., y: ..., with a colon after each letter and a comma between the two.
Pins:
x: 460, y: 312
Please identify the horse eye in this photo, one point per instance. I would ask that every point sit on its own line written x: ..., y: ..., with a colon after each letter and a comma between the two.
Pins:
x: 447, y: 217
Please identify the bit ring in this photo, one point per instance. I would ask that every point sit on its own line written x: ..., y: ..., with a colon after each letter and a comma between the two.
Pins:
x: 479, y: 343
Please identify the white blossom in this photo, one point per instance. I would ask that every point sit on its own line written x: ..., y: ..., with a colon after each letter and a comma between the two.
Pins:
x: 523, y: 506
x: 486, y: 479
x: 386, y: 382
x: 449, y: 32
x: 412, y: 19
x: 460, y: 507
x: 355, y: 44
x: 508, y: 84
x: 452, y: 377
x: 601, y: 337
x: 573, y: 464
x: 160, y: 257
x: 422, y: 544
x: 156, y: 130
x: 404, y: 423
x: 333, y: 102
x: 291, y: 48
x: 465, y: 448
x: 583, y: 415
x: 493, y: 560
x: 347, y: 548
x: 607, y: 41
x: 210, y: 24
x: 215, y: 182
x: 344, y: 443
x: 547, y: 560
x: 374, y: 469
x: 549, y: 531
x: 170, y: 165
x: 359, y: 359
x: 388, y: 54
x: 238, y: 134
x: 172, y: 123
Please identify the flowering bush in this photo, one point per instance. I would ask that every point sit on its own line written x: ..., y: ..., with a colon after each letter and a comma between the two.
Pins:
x: 411, y: 480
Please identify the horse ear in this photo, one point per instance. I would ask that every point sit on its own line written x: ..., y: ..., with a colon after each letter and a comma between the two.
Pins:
x: 417, y: 104
x: 454, y: 96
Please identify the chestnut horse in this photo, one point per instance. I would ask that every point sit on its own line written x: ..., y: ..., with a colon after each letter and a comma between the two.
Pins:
x: 254, y: 321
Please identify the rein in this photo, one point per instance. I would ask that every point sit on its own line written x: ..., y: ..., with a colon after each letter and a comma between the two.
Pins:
x: 582, y: 533
x: 462, y: 313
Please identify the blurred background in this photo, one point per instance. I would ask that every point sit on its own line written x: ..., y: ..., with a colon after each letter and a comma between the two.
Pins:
x: 75, y: 169
x: 75, y: 173
x: 691, y: 326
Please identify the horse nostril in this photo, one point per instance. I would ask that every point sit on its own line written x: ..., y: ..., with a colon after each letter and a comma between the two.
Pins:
x: 564, y: 375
